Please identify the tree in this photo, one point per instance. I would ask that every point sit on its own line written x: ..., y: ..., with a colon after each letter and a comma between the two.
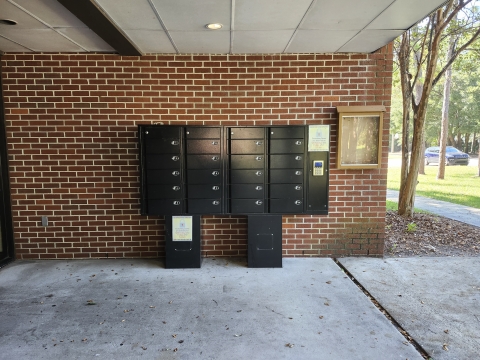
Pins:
x: 424, y: 39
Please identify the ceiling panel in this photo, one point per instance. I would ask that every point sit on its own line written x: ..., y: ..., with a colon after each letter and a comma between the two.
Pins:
x: 151, y: 41
x: 187, y: 15
x: 49, y: 12
x: 321, y: 41
x: 269, y: 14
x: 24, y: 20
x: 402, y: 14
x: 130, y: 15
x: 9, y: 46
x: 86, y: 38
x: 368, y: 40
x: 41, y: 40
x: 198, y: 42
x: 255, y: 42
x: 343, y: 15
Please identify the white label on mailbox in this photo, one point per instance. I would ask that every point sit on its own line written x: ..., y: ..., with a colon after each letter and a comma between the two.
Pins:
x: 182, y: 228
x: 318, y: 138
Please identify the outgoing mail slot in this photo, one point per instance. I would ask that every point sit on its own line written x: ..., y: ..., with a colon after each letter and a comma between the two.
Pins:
x: 286, y: 206
x: 247, y: 191
x: 287, y: 146
x: 286, y: 176
x: 204, y: 191
x: 252, y: 146
x: 246, y: 176
x: 164, y: 191
x: 162, y: 146
x: 247, y: 133
x: 290, y: 191
x: 287, y: 132
x: 210, y: 146
x: 247, y: 206
x: 291, y: 161
x: 159, y: 132
x: 247, y: 161
x: 204, y: 206
x: 209, y: 161
x: 169, y: 176
x: 200, y: 132
x: 210, y: 176
x: 170, y: 161
x: 165, y: 206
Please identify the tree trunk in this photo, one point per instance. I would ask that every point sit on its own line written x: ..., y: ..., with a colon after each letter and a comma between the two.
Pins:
x: 446, y: 106
x: 478, y: 159
x: 473, y: 144
x: 467, y: 140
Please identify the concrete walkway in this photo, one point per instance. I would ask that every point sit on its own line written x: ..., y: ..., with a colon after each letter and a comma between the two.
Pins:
x: 136, y: 309
x: 461, y: 213
x: 436, y: 300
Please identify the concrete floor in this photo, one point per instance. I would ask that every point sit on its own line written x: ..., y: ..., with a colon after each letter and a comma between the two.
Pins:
x: 131, y: 309
x: 436, y: 300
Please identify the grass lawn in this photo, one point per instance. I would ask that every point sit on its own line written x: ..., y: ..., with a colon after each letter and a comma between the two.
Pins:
x: 461, y: 184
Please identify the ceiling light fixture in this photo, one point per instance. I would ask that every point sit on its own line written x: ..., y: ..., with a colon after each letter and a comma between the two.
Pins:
x: 214, y: 26
x: 7, y: 22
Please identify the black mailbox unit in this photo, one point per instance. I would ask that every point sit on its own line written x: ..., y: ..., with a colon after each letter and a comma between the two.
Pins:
x: 255, y: 171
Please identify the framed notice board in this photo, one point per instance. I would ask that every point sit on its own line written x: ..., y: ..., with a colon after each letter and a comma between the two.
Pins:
x: 360, y: 137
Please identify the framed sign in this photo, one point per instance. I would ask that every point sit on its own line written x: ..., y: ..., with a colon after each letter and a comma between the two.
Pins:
x: 319, y: 138
x: 360, y: 137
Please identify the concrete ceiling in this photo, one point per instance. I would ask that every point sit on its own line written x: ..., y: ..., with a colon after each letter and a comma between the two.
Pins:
x: 137, y: 27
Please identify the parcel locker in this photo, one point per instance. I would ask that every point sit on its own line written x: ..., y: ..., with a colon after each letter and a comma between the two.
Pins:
x: 183, y: 243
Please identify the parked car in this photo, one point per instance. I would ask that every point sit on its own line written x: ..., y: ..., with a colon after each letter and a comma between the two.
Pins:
x: 453, y: 156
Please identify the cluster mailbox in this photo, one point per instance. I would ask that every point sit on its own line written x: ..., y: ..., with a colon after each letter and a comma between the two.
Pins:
x: 231, y: 170
x: 256, y: 170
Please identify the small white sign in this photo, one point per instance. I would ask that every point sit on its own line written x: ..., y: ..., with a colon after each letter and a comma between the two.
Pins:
x: 319, y: 138
x: 182, y: 228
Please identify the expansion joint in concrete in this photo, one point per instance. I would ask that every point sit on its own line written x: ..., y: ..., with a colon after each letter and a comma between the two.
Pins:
x: 374, y: 301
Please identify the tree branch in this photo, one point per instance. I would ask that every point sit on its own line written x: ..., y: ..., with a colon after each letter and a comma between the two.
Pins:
x: 455, y: 55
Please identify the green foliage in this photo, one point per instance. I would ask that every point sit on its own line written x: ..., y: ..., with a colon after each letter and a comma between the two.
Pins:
x: 412, y: 227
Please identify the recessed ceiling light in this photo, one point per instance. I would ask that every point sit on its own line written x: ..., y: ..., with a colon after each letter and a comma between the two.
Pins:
x: 214, y: 26
x: 7, y: 22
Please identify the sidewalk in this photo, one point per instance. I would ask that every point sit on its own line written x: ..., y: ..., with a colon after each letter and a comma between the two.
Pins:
x: 465, y: 214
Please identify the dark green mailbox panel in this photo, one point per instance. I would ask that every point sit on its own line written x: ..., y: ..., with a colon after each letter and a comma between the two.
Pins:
x: 231, y: 170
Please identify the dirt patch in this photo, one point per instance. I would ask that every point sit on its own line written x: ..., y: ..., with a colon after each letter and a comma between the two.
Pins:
x: 429, y: 235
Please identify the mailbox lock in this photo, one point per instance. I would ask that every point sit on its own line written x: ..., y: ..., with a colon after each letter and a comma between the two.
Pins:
x: 259, y: 143
x: 259, y: 173
x: 298, y: 158
x: 258, y: 188
x: 298, y: 202
x: 176, y: 188
x: 259, y: 202
x: 298, y: 187
x: 175, y: 173
x: 216, y: 173
x: 214, y: 142
x: 175, y: 142
x: 146, y: 132
x: 176, y: 202
x: 298, y: 173
x: 215, y: 158
x: 259, y: 158
x: 175, y: 158
x: 298, y: 142
x: 216, y: 202
x: 215, y: 188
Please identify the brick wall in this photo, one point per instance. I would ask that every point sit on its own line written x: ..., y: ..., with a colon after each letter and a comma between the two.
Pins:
x: 71, y: 131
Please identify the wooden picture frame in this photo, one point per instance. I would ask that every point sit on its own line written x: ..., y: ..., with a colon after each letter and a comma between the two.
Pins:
x: 360, y: 137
